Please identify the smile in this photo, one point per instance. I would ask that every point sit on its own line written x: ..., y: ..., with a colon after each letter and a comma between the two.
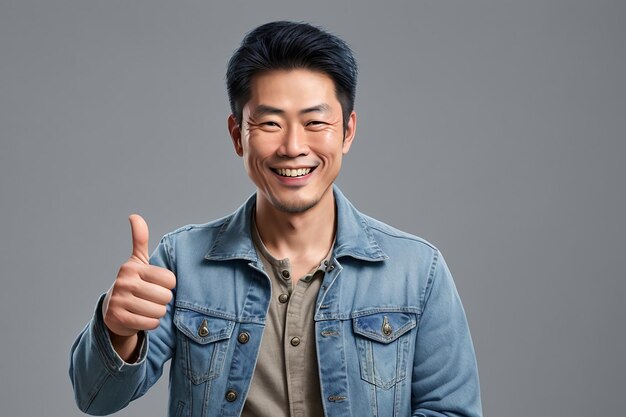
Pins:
x: 286, y: 172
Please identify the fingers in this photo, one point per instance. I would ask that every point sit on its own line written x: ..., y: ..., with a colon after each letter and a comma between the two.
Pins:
x: 140, y: 236
x: 126, y: 323
x: 145, y: 280
x: 153, y: 293
x: 145, y: 308
x: 160, y: 276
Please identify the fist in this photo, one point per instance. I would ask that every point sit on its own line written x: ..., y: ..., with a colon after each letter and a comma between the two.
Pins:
x: 141, y: 292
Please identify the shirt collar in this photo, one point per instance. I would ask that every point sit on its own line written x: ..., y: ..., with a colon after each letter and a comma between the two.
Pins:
x: 353, y: 237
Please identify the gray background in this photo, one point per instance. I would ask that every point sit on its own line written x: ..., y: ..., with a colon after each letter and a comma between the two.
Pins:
x: 494, y: 129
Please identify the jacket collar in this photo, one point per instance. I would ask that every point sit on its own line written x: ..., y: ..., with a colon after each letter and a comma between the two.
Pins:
x: 354, y: 237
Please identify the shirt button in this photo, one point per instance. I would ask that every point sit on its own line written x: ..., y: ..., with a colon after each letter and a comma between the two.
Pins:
x: 231, y: 395
x: 295, y: 341
x: 243, y: 337
x: 283, y: 298
x: 286, y: 274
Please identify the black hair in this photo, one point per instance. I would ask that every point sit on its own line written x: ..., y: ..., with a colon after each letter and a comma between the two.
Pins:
x: 284, y: 45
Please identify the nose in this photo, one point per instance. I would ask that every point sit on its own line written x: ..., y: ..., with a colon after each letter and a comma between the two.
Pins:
x: 294, y: 143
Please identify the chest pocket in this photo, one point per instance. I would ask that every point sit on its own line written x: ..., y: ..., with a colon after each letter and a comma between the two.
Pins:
x: 203, y: 343
x: 382, y: 349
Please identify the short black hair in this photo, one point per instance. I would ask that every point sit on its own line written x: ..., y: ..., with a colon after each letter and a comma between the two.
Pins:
x: 284, y: 45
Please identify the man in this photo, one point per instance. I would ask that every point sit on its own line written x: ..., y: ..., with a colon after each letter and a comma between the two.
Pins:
x: 296, y: 304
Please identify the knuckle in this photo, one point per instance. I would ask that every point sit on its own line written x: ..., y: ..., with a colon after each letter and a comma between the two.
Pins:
x: 171, y: 280
x: 126, y: 269
x: 116, y: 315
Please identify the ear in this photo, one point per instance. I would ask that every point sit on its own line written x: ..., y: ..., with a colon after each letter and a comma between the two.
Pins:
x: 235, y: 134
x: 349, y: 133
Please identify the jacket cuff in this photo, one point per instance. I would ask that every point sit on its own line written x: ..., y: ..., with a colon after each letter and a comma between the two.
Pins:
x: 113, y: 362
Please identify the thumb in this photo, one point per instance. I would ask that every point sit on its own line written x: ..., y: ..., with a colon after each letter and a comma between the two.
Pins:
x: 140, y: 234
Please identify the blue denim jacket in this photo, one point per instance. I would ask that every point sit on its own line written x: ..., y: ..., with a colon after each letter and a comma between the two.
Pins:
x: 392, y: 337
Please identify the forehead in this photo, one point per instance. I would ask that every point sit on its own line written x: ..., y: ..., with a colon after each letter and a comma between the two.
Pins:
x: 298, y: 88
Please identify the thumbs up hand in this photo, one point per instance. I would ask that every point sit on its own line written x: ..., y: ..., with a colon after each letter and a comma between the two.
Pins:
x: 139, y: 295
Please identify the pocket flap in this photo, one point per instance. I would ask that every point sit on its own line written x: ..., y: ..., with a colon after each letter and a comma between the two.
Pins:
x: 384, y: 327
x: 201, y: 327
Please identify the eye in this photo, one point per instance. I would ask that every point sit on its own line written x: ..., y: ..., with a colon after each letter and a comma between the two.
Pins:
x: 315, y: 123
x: 269, y: 126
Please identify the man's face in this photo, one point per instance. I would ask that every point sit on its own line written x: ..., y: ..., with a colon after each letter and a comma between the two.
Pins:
x: 292, y: 138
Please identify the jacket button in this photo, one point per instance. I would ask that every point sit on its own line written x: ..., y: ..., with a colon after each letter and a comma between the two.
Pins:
x: 285, y: 274
x: 243, y: 337
x: 387, y: 329
x: 231, y: 395
x: 283, y: 298
x: 203, y: 330
x: 295, y: 341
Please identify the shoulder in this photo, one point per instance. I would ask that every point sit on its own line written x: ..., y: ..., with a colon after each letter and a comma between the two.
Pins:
x: 197, y: 238
x: 384, y: 233
x: 210, y: 227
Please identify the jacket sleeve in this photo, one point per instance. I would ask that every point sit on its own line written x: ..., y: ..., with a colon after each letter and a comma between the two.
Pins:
x: 103, y: 383
x: 445, y: 375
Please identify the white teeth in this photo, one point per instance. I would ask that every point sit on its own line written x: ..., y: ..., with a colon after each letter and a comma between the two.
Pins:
x: 286, y: 172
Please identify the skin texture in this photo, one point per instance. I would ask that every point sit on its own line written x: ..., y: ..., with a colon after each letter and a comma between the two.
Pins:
x: 293, y: 120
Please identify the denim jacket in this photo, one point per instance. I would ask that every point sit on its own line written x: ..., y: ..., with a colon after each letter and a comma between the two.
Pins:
x: 391, y: 334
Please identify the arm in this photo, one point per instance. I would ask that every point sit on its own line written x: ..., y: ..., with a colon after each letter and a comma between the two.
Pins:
x: 445, y: 375
x: 103, y: 381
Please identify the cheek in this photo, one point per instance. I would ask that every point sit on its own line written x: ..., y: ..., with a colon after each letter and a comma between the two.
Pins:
x: 254, y: 160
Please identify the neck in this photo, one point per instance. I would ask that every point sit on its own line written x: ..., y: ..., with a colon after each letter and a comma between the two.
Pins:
x: 298, y: 236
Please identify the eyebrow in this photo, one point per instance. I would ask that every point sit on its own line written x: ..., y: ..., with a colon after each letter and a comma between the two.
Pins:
x: 263, y: 109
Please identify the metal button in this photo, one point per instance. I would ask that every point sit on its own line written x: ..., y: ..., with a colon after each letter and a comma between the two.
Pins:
x: 203, y: 330
x: 331, y: 267
x: 387, y: 329
x: 283, y: 298
x: 231, y: 395
x: 243, y: 337
x: 286, y: 274
x: 295, y: 341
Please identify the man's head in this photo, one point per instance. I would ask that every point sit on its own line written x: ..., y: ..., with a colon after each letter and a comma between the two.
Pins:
x: 286, y: 46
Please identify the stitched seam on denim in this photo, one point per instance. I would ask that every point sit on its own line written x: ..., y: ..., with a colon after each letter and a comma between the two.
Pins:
x: 100, y: 337
x: 96, y: 389
x: 368, y: 233
x: 412, y: 238
x: 349, y: 316
x: 216, y: 241
x: 212, y: 225
x: 203, y: 310
x: 378, y: 310
x: 169, y: 252
x: 431, y: 279
x: 218, y: 314
x: 180, y: 408
x: 402, y: 330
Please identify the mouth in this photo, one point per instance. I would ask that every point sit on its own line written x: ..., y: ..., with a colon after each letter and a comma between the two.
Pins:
x: 292, y: 173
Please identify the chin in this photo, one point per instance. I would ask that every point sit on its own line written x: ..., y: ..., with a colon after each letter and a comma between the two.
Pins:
x: 294, y: 206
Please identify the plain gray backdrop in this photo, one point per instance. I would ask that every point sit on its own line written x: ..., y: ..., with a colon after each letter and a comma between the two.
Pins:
x: 494, y: 129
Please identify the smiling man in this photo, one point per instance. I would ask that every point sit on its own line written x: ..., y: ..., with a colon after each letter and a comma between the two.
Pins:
x: 297, y: 304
